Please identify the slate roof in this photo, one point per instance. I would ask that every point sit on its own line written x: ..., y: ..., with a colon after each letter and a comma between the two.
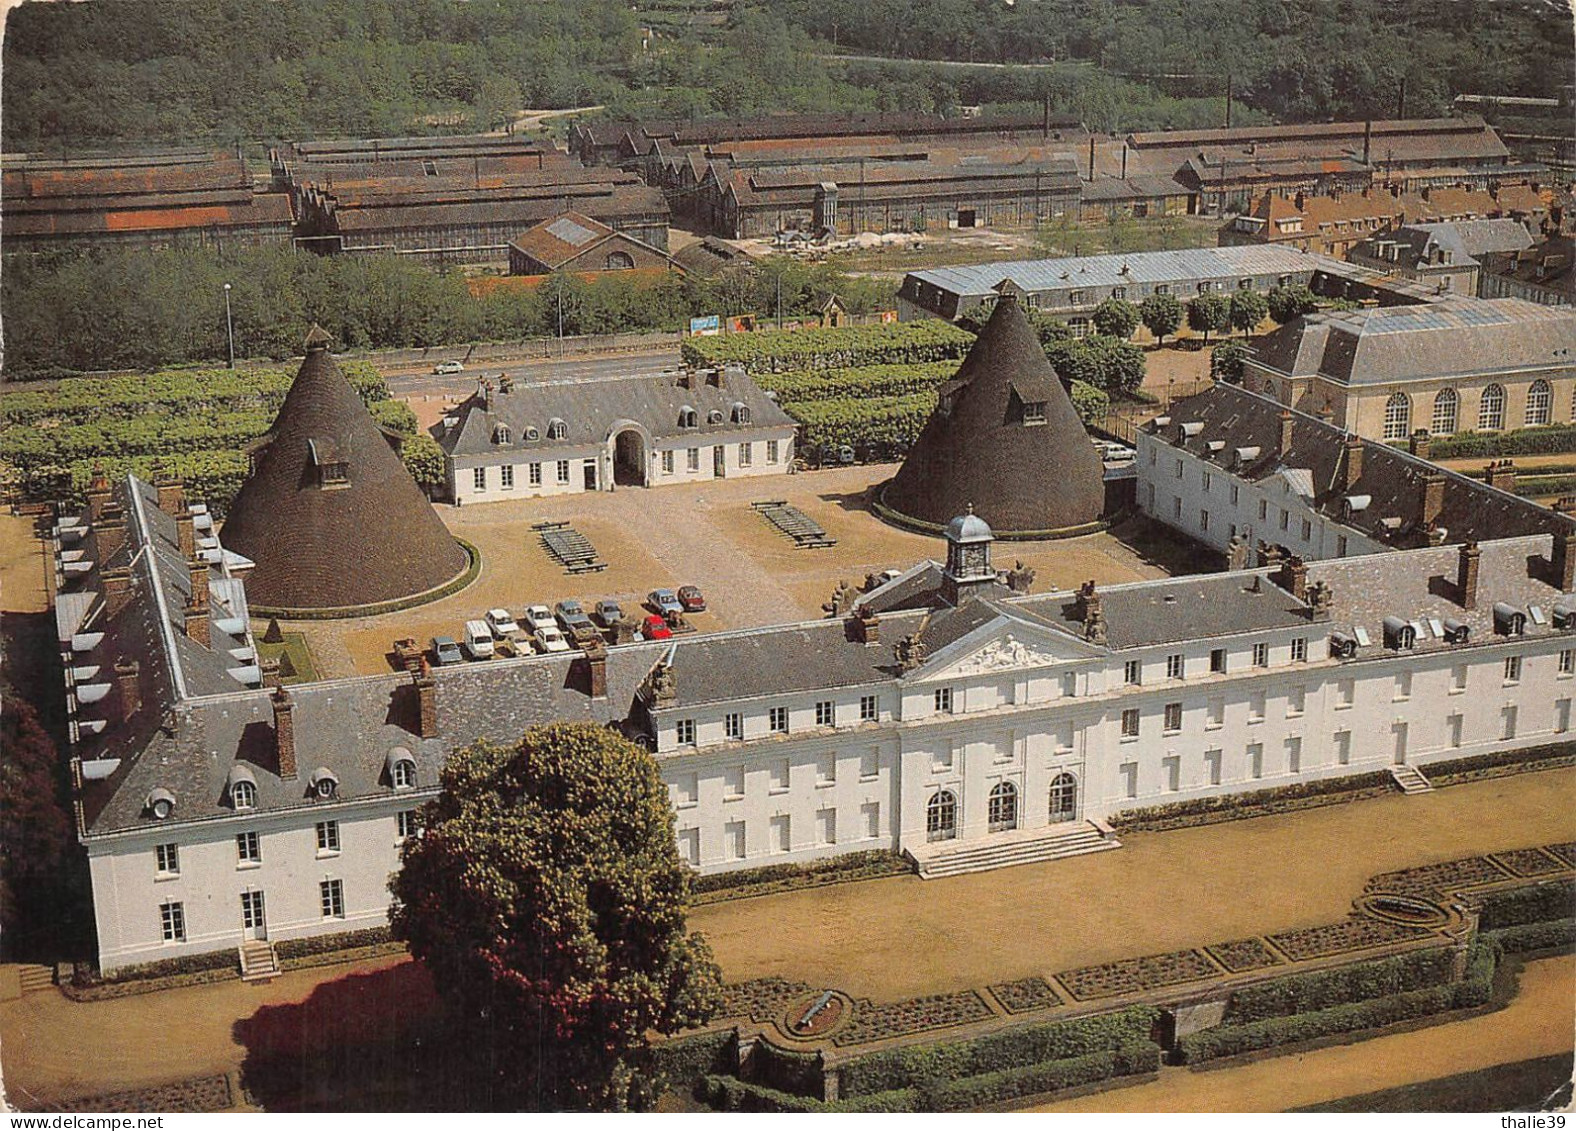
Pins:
x: 1397, y: 343
x: 1392, y: 478
x: 1017, y: 476
x: 709, y: 256
x: 372, y: 540
x: 591, y: 407
x: 1478, y: 238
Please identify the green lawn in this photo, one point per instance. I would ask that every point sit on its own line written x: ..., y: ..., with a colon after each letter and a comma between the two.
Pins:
x: 1524, y: 1085
x: 299, y: 667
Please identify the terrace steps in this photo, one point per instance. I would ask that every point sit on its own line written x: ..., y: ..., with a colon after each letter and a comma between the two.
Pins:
x: 258, y: 961
x: 1003, y: 850
x: 1411, y: 779
x: 31, y: 977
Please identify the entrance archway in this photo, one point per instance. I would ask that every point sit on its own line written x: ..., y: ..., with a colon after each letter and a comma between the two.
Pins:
x: 1064, y: 798
x: 629, y: 459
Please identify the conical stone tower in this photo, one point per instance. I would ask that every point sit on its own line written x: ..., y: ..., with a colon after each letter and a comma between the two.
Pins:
x: 1006, y: 439
x: 328, y: 513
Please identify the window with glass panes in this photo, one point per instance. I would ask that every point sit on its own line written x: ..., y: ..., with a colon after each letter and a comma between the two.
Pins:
x: 331, y: 895
x: 172, y: 921
x: 168, y: 859
x: 825, y: 713
x: 328, y: 836
x: 778, y: 718
x: 869, y: 709
x: 248, y: 849
x: 405, y: 824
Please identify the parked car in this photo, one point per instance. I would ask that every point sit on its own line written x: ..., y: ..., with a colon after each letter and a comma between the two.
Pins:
x: 502, y: 624
x: 664, y: 601
x: 539, y: 616
x: 577, y: 626
x: 692, y: 599
x: 444, y: 368
x: 655, y: 628
x: 550, y: 639
x: 478, y: 640
x: 445, y: 650
x: 607, y: 613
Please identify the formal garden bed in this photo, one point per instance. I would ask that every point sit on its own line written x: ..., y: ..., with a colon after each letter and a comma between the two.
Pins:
x: 874, y: 1022
x: 87, y: 984
x: 1529, y: 862
x: 760, y: 999
x: 1026, y: 995
x: 1354, y: 933
x: 775, y: 878
x: 1131, y: 975
x: 1565, y: 852
x: 1241, y: 955
x: 1446, y: 876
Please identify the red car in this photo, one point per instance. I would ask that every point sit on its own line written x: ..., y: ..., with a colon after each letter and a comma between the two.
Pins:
x: 692, y: 599
x: 655, y: 628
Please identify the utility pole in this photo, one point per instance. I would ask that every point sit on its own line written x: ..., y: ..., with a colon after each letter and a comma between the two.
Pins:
x: 229, y: 325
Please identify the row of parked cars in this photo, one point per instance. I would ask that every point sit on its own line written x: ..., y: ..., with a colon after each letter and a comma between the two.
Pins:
x: 565, y: 626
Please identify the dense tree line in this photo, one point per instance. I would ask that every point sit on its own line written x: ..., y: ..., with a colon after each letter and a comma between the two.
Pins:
x: 141, y: 309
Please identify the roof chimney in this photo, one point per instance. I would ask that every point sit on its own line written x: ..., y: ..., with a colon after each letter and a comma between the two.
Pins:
x: 197, y: 624
x: 1433, y: 499
x: 186, y: 533
x: 199, y: 577
x: 109, y: 532
x: 1565, y: 559
x: 1093, y: 617
x: 1293, y: 577
x: 1352, y: 466
x: 117, y: 590
x: 596, y: 666
x: 865, y: 626
x: 284, y: 732
x: 1502, y: 474
x: 426, y: 702
x: 1420, y: 443
x: 97, y: 493
x: 1467, y: 574
x: 1285, y: 431
x: 172, y: 494
x: 128, y: 687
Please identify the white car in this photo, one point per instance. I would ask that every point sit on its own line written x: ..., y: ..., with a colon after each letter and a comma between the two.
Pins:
x: 549, y: 638
x: 478, y: 640
x: 502, y: 624
x: 539, y: 616
x: 444, y: 368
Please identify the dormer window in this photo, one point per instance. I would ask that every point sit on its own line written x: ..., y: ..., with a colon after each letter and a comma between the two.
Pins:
x: 688, y: 417
x: 741, y: 413
x: 1034, y: 412
x: 402, y: 768
x: 332, y: 465
x: 243, y: 789
x: 714, y: 416
x: 556, y: 429
x: 502, y: 434
x: 324, y: 784
x: 531, y: 434
x: 161, y: 804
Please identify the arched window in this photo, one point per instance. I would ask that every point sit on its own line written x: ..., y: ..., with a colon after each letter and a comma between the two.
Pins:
x: 741, y: 413
x: 1064, y: 797
x: 502, y: 434
x: 620, y: 261
x: 1447, y: 409
x: 556, y: 429
x: 714, y: 416
x: 941, y: 816
x: 1491, y: 413
x: 1003, y: 807
x: 688, y: 418
x: 1539, y: 403
x: 1398, y: 417
x: 531, y: 434
x: 401, y: 768
x: 243, y: 795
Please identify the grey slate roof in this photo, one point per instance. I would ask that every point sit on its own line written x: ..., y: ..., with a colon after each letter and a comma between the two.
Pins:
x: 1478, y: 238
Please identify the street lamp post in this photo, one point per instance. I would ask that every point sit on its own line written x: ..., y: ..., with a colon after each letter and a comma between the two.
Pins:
x: 229, y: 325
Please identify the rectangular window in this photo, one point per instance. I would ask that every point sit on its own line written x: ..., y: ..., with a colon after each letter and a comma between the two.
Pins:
x: 506, y: 477
x: 826, y: 769
x: 1345, y: 690
x: 1212, y: 761
x: 331, y: 894
x: 782, y: 833
x: 1176, y: 507
x: 1264, y: 510
x: 1215, y: 714
x: 1256, y: 760
x: 1512, y: 669
x: 870, y: 817
x: 479, y: 478
x: 1236, y: 494
x: 869, y: 708
x: 404, y: 824
x: 1207, y: 478
x: 1567, y: 661
x: 168, y: 859
x: 1133, y: 672
x: 172, y: 920
x: 1256, y: 707
x: 1340, y: 545
x: 778, y: 781
x: 1171, y: 767
x: 1343, y: 747
x: 777, y: 718
x: 563, y: 471
x: 327, y: 836
x: 1261, y: 655
x: 1162, y: 288
x: 1458, y: 679
x: 692, y: 459
x: 1174, y: 666
x: 1130, y: 718
x: 771, y: 451
x: 746, y: 454
x: 1299, y: 650
x: 1285, y: 519
x: 1294, y: 755
x: 686, y: 790
x: 534, y: 476
x: 944, y: 700
x: 825, y: 713
x: 733, y: 837
x: 1403, y: 686
x: 1307, y: 530
x: 1217, y: 660
x: 826, y: 826
x: 1173, y: 718
x: 733, y: 726
x: 248, y: 849
x: 1179, y: 469
x: 689, y: 845
x: 1296, y: 701
x: 869, y: 765
x: 1203, y: 520
x: 733, y: 783
x: 685, y: 732
x: 667, y: 462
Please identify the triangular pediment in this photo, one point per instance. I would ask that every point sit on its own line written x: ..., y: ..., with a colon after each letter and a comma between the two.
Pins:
x: 1006, y: 643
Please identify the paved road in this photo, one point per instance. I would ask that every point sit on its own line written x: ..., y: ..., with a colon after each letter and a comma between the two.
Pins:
x: 421, y: 381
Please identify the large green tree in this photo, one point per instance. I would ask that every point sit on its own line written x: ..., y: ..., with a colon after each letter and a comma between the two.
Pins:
x: 1116, y: 318
x: 547, y: 898
x: 1248, y: 309
x: 1209, y: 313
x: 1161, y: 315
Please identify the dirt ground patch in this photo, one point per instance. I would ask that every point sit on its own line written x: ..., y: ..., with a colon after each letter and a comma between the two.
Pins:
x: 23, y: 585
x: 1537, y: 1022
x: 896, y: 938
x: 705, y: 535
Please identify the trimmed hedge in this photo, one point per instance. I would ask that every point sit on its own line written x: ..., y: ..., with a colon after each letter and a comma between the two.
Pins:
x: 1205, y: 810
x: 1511, y: 761
x: 1554, y: 935
x: 797, y: 1072
x: 887, y: 343
x: 1326, y: 989
x: 288, y: 949
x: 1013, y: 1048
x: 1535, y: 903
x: 1234, y: 1040
x: 1547, y: 440
x: 686, y: 1059
x: 164, y: 968
x: 779, y: 877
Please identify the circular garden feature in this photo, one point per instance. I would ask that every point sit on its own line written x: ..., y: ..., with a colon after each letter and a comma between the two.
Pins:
x: 816, y: 1016
x: 1405, y: 909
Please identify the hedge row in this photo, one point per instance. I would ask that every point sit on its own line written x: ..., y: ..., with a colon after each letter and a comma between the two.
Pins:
x: 1559, y: 934
x: 1549, y: 439
x: 782, y: 877
x: 687, y: 1059
x: 1204, y: 810
x: 1233, y: 1040
x: 890, y: 343
x: 868, y: 381
x: 1013, y: 1048
x: 287, y: 949
x: 862, y: 421
x: 1535, y: 903
x: 970, y: 1093
x: 797, y: 1072
x: 156, y: 433
x: 1325, y: 989
x: 1511, y: 760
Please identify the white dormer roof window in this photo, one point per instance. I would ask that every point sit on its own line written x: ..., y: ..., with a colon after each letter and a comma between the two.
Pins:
x: 324, y: 784
x: 556, y: 429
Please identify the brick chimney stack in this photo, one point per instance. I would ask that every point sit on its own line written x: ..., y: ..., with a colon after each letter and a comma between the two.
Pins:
x: 186, y: 533
x: 284, y: 732
x: 197, y: 625
x: 1285, y: 430
x: 1420, y: 443
x: 1467, y: 575
x: 1352, y: 465
x: 109, y: 532
x: 172, y: 494
x: 596, y: 666
x: 1501, y: 473
x: 199, y: 576
x: 1565, y: 559
x: 117, y: 590
x: 1433, y: 499
x: 426, y: 702
x: 128, y: 687
x: 865, y: 626
x: 1294, y: 577
x: 97, y: 494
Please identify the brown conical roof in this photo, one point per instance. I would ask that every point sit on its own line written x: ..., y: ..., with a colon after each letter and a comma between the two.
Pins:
x: 329, y: 514
x: 976, y: 447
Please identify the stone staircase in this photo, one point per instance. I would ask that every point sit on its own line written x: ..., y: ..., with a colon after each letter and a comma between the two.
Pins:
x: 1410, y: 779
x: 258, y: 961
x: 32, y: 978
x: 1002, y: 850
